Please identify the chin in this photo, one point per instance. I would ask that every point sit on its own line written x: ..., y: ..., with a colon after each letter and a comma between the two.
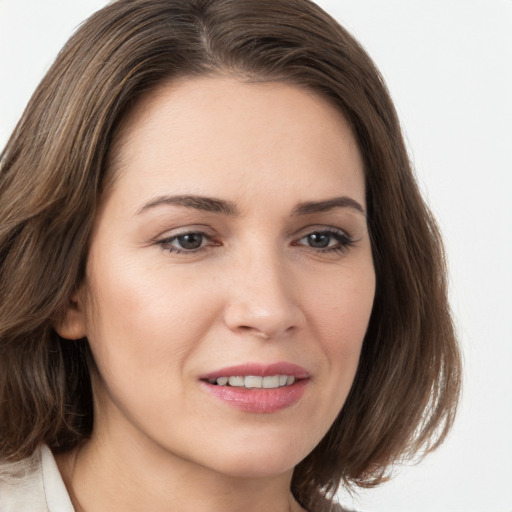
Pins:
x: 250, y: 468
x: 260, y: 460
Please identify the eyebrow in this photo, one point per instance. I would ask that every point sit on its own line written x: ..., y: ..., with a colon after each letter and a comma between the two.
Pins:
x: 327, y: 205
x: 213, y: 205
x: 207, y: 204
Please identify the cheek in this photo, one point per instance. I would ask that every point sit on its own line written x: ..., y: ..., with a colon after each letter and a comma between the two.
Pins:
x: 142, y: 317
x: 339, y: 316
x: 342, y: 307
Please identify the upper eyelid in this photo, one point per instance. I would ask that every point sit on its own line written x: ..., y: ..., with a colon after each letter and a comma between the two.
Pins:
x: 166, y: 243
x: 172, y: 238
x: 346, y: 239
x: 184, y: 233
x: 319, y: 228
x: 185, y: 230
x: 210, y: 233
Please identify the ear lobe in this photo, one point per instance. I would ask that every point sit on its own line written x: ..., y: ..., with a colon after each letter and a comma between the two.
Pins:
x: 71, y: 324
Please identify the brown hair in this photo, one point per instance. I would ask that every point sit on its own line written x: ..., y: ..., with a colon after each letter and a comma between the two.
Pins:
x: 53, y: 170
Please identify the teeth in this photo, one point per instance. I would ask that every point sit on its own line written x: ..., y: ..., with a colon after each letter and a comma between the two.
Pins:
x: 236, y: 381
x: 270, y: 382
x: 253, y: 381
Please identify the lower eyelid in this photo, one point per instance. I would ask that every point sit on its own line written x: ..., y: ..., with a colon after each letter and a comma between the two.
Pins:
x: 342, y: 242
x: 343, y: 238
x: 168, y: 243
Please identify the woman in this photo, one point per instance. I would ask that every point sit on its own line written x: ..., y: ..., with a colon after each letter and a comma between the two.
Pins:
x: 220, y: 287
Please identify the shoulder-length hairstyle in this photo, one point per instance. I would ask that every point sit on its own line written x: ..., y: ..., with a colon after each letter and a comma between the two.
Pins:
x: 54, y: 168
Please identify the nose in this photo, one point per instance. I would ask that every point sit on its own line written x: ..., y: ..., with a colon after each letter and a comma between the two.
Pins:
x: 263, y: 299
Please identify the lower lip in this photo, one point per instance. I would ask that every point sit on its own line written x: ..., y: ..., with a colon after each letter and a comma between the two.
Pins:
x: 256, y: 400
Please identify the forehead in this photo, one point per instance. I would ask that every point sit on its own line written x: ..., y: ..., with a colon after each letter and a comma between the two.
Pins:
x: 229, y: 136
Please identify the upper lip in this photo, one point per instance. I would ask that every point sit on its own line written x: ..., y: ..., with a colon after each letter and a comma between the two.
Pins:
x: 259, y: 370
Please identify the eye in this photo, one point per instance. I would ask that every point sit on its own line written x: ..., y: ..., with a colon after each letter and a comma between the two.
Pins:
x: 326, y: 240
x: 187, y: 242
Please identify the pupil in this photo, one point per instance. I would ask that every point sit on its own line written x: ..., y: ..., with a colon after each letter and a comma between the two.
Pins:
x: 191, y: 241
x: 318, y: 240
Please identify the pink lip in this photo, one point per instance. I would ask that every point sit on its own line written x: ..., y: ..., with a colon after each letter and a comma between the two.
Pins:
x: 259, y: 370
x: 256, y: 400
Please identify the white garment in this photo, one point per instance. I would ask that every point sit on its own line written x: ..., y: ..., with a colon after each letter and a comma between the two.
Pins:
x: 33, y: 485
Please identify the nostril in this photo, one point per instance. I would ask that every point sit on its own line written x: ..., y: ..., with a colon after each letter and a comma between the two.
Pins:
x: 263, y: 321
x: 254, y: 331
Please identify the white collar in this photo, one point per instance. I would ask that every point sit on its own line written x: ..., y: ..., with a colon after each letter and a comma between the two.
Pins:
x: 57, y: 497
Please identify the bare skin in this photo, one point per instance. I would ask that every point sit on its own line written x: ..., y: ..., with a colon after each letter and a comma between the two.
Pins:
x: 233, y: 234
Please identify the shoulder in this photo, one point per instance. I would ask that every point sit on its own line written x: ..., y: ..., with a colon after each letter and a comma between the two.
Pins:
x: 33, y: 485
x: 21, y: 485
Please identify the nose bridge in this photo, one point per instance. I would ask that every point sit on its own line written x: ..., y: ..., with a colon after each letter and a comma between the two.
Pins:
x: 262, y: 297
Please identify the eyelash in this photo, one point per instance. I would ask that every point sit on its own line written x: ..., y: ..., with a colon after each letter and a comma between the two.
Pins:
x: 166, y: 243
x: 344, y: 242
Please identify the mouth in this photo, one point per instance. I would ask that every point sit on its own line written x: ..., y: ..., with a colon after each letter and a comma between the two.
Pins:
x: 254, y: 381
x: 258, y: 388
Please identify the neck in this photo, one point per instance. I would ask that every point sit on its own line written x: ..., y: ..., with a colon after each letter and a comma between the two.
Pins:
x: 109, y: 474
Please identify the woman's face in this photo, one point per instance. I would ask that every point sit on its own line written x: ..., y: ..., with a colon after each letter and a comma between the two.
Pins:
x: 232, y: 246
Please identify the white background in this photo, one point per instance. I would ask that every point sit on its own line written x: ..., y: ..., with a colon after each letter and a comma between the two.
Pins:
x: 448, y: 64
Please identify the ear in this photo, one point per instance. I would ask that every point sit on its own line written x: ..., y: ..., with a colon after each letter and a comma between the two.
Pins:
x: 71, y: 324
